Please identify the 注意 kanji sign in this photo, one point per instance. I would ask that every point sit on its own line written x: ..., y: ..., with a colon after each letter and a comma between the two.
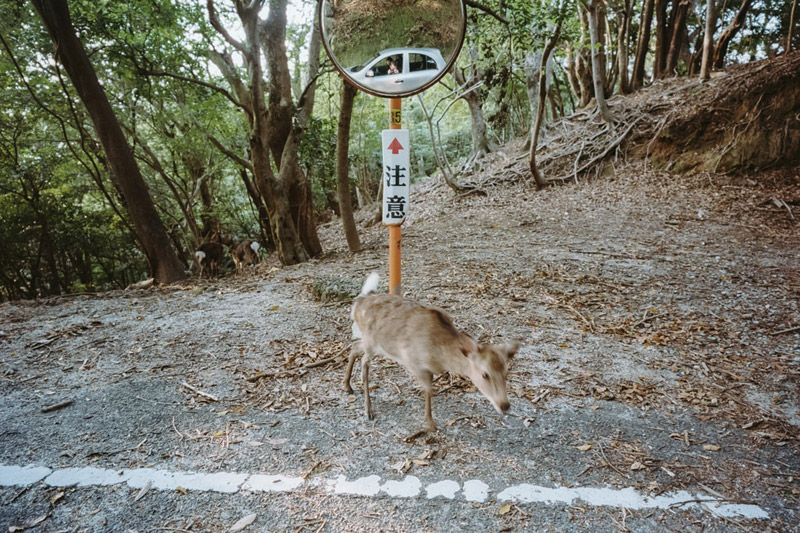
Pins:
x: 396, y: 175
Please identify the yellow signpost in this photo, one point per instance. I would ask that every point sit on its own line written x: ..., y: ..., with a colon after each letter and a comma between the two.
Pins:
x: 395, y: 233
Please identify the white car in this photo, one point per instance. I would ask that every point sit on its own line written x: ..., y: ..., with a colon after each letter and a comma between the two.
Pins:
x: 399, y: 70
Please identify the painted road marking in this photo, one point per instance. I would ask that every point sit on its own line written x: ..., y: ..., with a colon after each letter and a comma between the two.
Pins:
x: 472, y: 490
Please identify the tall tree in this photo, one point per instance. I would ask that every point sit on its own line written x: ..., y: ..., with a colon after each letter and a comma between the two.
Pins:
x: 150, y: 231
x: 343, y: 167
x: 708, y: 40
x: 642, y: 45
x: 594, y: 9
x: 536, y: 125
x: 663, y: 35
x: 678, y: 34
x: 624, y: 14
x: 274, y: 128
x: 481, y: 144
x: 721, y: 46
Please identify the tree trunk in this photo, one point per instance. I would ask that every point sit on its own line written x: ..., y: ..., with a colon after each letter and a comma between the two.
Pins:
x: 676, y: 42
x: 288, y: 245
x: 721, y: 46
x: 300, y: 196
x: 150, y: 232
x: 302, y: 207
x: 572, y: 75
x: 642, y: 45
x: 343, y: 167
x: 272, y: 134
x: 662, y: 38
x: 623, y: 32
x: 208, y: 217
x: 531, y: 65
x: 708, y: 40
x: 603, y: 37
x: 791, y: 25
x: 598, y: 68
x: 542, y: 99
x: 480, y: 140
x: 583, y: 67
x: 261, y: 209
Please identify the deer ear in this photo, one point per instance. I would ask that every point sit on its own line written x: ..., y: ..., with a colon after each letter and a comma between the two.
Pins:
x: 511, y: 349
x: 468, y: 345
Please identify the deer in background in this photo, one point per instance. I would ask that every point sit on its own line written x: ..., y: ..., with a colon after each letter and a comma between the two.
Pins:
x: 245, y: 253
x: 208, y: 256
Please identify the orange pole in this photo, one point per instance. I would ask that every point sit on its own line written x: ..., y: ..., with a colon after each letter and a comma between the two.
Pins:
x: 395, y: 234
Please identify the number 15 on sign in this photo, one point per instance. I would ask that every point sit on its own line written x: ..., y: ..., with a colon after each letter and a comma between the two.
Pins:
x: 396, y: 176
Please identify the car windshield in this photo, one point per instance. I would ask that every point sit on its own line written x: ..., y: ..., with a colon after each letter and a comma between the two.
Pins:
x: 364, y: 64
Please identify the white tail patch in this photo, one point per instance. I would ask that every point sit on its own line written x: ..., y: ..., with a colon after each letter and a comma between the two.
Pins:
x: 356, y: 332
x: 371, y: 284
x: 200, y: 255
x: 255, y: 246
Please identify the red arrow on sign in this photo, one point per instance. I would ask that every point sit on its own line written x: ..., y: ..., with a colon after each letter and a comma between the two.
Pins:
x: 395, y: 146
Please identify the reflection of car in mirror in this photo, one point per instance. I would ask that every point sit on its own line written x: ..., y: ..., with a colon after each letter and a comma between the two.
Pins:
x: 399, y: 69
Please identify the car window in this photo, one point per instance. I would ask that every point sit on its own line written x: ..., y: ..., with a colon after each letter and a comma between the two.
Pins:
x: 389, y: 66
x: 419, y: 62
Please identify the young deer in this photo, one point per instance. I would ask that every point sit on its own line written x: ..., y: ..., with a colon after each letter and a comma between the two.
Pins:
x: 426, y: 342
x: 208, y: 256
x: 245, y: 253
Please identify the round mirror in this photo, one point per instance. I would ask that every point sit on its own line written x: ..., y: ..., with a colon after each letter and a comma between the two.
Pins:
x: 392, y: 48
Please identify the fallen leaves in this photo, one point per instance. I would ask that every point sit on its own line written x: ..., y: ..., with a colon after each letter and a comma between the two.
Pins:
x: 28, y: 525
x: 243, y: 522
x: 424, y: 459
x: 75, y: 330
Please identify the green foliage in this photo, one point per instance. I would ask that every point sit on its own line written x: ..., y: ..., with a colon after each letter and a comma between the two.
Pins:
x: 318, y: 155
x: 62, y: 221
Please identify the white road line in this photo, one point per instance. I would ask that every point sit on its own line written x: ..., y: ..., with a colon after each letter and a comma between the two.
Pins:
x: 472, y: 490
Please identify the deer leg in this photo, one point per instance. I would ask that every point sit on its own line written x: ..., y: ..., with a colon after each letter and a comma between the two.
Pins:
x: 426, y: 380
x: 354, y: 352
x: 365, y: 380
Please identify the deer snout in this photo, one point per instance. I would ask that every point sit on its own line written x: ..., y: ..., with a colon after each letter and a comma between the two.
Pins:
x: 502, y: 407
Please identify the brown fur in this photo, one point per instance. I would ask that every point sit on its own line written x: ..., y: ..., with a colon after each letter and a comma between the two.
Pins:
x: 426, y: 342
x: 213, y: 256
x: 243, y: 254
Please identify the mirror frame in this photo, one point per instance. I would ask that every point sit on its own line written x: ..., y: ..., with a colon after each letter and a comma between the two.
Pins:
x: 402, y: 94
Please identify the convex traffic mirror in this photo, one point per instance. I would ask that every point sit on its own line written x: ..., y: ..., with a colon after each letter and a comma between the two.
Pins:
x: 393, y: 48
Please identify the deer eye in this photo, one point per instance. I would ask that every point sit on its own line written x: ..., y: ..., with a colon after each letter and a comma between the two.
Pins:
x: 485, y: 376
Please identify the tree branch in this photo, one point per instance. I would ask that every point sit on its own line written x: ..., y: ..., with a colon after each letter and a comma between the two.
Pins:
x: 232, y: 155
x: 215, y: 22
x: 196, y: 81
x: 487, y: 10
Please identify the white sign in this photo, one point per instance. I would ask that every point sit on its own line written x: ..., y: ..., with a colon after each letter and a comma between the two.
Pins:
x: 396, y: 176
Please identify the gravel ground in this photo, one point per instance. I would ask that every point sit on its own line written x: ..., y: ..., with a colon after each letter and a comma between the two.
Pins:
x: 656, y: 313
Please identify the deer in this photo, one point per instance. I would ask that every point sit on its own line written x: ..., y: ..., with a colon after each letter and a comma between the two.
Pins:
x: 209, y: 255
x: 245, y: 253
x: 425, y: 341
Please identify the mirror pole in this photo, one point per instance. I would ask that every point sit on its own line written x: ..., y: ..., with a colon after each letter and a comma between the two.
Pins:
x: 395, y: 234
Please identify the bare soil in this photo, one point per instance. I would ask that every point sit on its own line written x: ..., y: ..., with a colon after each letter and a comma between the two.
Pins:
x: 659, y: 315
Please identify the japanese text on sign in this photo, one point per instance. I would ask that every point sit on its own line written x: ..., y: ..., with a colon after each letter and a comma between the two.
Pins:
x: 396, y: 175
